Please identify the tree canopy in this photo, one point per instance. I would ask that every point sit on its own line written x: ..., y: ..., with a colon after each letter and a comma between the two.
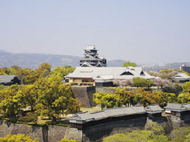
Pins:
x: 126, y: 64
x: 18, y: 138
x: 137, y: 136
x: 54, y: 98
x: 141, y: 82
x: 29, y: 76
x: 138, y: 96
x: 47, y: 96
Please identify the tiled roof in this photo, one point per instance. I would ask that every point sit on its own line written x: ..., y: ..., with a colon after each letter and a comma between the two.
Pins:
x: 187, y: 106
x: 90, y: 47
x: 116, y: 72
x: 123, y: 111
x: 6, y: 78
x: 153, y: 108
x: 173, y: 106
x: 181, y: 76
x: 86, y: 64
x: 112, y: 112
x: 99, y: 115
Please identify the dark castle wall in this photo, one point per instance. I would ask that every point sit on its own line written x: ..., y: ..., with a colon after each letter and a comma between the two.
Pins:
x: 100, y: 130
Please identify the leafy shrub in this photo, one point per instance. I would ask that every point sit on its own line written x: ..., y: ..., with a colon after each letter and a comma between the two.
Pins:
x: 30, y: 117
x: 18, y: 138
x: 137, y: 136
x: 156, y: 128
x: 68, y: 140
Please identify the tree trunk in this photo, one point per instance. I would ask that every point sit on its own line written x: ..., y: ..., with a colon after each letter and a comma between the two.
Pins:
x: 32, y: 109
x: 54, y: 121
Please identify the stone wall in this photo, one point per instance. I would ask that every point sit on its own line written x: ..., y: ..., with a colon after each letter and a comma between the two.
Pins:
x: 7, y: 127
x: 74, y: 133
x: 85, y: 95
x: 45, y: 134
x: 93, y: 132
x: 165, y: 122
x: 56, y: 133
x: 110, y: 90
x: 99, y: 131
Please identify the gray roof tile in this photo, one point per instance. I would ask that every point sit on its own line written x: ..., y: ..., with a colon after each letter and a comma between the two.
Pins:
x: 6, y: 78
x: 153, y: 108
x: 94, y: 72
x: 174, y: 106
x: 112, y: 112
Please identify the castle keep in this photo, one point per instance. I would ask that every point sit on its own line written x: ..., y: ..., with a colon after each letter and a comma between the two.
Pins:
x: 91, y: 58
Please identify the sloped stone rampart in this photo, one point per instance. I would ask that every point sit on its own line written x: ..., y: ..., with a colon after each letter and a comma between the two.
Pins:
x: 7, y: 127
x: 56, y: 133
x: 110, y: 90
x: 84, y: 95
x: 45, y: 134
x: 89, y: 133
x: 74, y: 133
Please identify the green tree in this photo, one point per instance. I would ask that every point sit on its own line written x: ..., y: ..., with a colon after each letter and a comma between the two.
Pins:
x: 187, y: 138
x: 18, y: 138
x: 166, y: 98
x: 149, y: 83
x: 29, y: 92
x: 155, y: 127
x: 180, y: 134
x: 183, y: 97
x: 6, y: 70
x: 126, y: 97
x: 116, y: 138
x: 30, y: 117
x: 111, y: 100
x: 14, y: 69
x: 2, y: 73
x: 68, y: 140
x: 54, y: 98
x: 12, y: 102
x: 44, y: 69
x: 139, y: 82
x: 186, y: 87
x: 62, y: 71
x: 126, y: 64
x: 27, y: 76
x: 137, y: 136
x: 98, y: 98
x: 106, y: 99
x: 147, y: 97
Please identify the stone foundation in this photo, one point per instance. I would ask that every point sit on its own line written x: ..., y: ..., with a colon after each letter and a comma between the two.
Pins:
x: 45, y: 134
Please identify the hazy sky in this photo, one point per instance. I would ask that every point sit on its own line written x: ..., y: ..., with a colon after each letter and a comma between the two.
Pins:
x: 141, y: 31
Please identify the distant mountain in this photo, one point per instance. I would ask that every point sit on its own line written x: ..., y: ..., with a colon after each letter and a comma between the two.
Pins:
x: 33, y: 60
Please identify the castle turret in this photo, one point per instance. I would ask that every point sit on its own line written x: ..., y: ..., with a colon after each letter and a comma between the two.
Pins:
x: 91, y: 58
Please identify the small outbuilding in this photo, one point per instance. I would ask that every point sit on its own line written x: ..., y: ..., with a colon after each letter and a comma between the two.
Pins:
x: 154, y: 111
x: 180, y: 77
x: 8, y: 80
x: 180, y: 111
